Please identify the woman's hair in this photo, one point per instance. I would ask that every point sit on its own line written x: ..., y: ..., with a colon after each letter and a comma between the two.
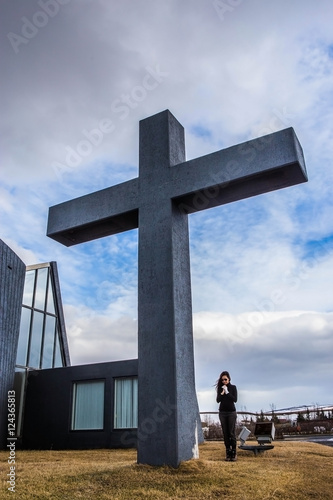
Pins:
x: 219, y: 382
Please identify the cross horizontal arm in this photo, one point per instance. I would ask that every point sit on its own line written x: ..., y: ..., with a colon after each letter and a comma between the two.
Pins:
x: 254, y: 167
x: 109, y: 211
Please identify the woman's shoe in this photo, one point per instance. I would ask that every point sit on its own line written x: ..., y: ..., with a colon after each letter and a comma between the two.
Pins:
x: 233, y: 456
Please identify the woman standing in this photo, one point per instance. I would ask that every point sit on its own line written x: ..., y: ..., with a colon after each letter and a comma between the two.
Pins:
x: 227, y: 397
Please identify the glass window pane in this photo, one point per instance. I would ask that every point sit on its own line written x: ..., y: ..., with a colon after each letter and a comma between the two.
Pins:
x: 50, y: 299
x: 42, y: 275
x: 126, y: 403
x: 19, y: 388
x: 88, y: 405
x: 36, y: 339
x: 29, y: 287
x: 48, y: 347
x: 58, y: 362
x: 22, y: 349
x: 135, y: 403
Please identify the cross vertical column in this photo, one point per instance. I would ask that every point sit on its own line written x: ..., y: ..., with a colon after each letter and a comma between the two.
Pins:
x: 168, y: 410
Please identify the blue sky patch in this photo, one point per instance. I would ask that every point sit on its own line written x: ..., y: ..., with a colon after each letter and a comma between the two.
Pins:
x: 200, y: 131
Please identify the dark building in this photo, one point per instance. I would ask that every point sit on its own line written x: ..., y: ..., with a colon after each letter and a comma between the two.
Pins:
x: 57, y: 406
x: 82, y: 407
x: 42, y: 340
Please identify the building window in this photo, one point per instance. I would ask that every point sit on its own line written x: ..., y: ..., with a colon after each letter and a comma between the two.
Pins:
x: 20, y: 381
x: 29, y: 286
x: 88, y: 405
x: 40, y: 342
x: 23, y: 341
x: 50, y: 333
x: 36, y: 339
x: 126, y: 403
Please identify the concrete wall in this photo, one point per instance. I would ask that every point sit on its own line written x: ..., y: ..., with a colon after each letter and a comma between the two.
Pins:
x: 47, y: 419
x: 12, y: 276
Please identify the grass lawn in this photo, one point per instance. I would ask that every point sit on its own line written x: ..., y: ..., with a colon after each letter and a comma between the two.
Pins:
x: 292, y: 470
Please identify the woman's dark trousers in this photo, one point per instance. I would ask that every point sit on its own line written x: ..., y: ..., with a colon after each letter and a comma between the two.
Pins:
x: 228, y: 424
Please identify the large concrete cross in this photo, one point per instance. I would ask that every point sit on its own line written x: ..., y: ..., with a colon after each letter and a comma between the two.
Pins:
x: 158, y: 201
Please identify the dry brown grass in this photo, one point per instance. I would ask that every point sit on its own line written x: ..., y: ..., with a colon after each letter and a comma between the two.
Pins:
x: 292, y: 470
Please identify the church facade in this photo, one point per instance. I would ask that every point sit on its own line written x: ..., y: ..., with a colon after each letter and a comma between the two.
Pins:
x: 57, y: 406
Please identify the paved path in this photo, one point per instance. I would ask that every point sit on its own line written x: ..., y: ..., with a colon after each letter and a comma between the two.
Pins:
x: 326, y: 439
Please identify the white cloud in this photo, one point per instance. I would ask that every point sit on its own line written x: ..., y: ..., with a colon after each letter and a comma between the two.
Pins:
x: 268, y: 355
x: 94, y: 338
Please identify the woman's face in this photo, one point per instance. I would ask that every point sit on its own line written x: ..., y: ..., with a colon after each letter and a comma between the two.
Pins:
x: 225, y: 380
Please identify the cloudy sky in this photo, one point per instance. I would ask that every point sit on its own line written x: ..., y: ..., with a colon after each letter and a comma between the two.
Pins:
x: 78, y: 75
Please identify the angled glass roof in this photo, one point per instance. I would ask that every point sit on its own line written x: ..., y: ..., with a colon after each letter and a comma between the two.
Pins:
x: 42, y: 340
